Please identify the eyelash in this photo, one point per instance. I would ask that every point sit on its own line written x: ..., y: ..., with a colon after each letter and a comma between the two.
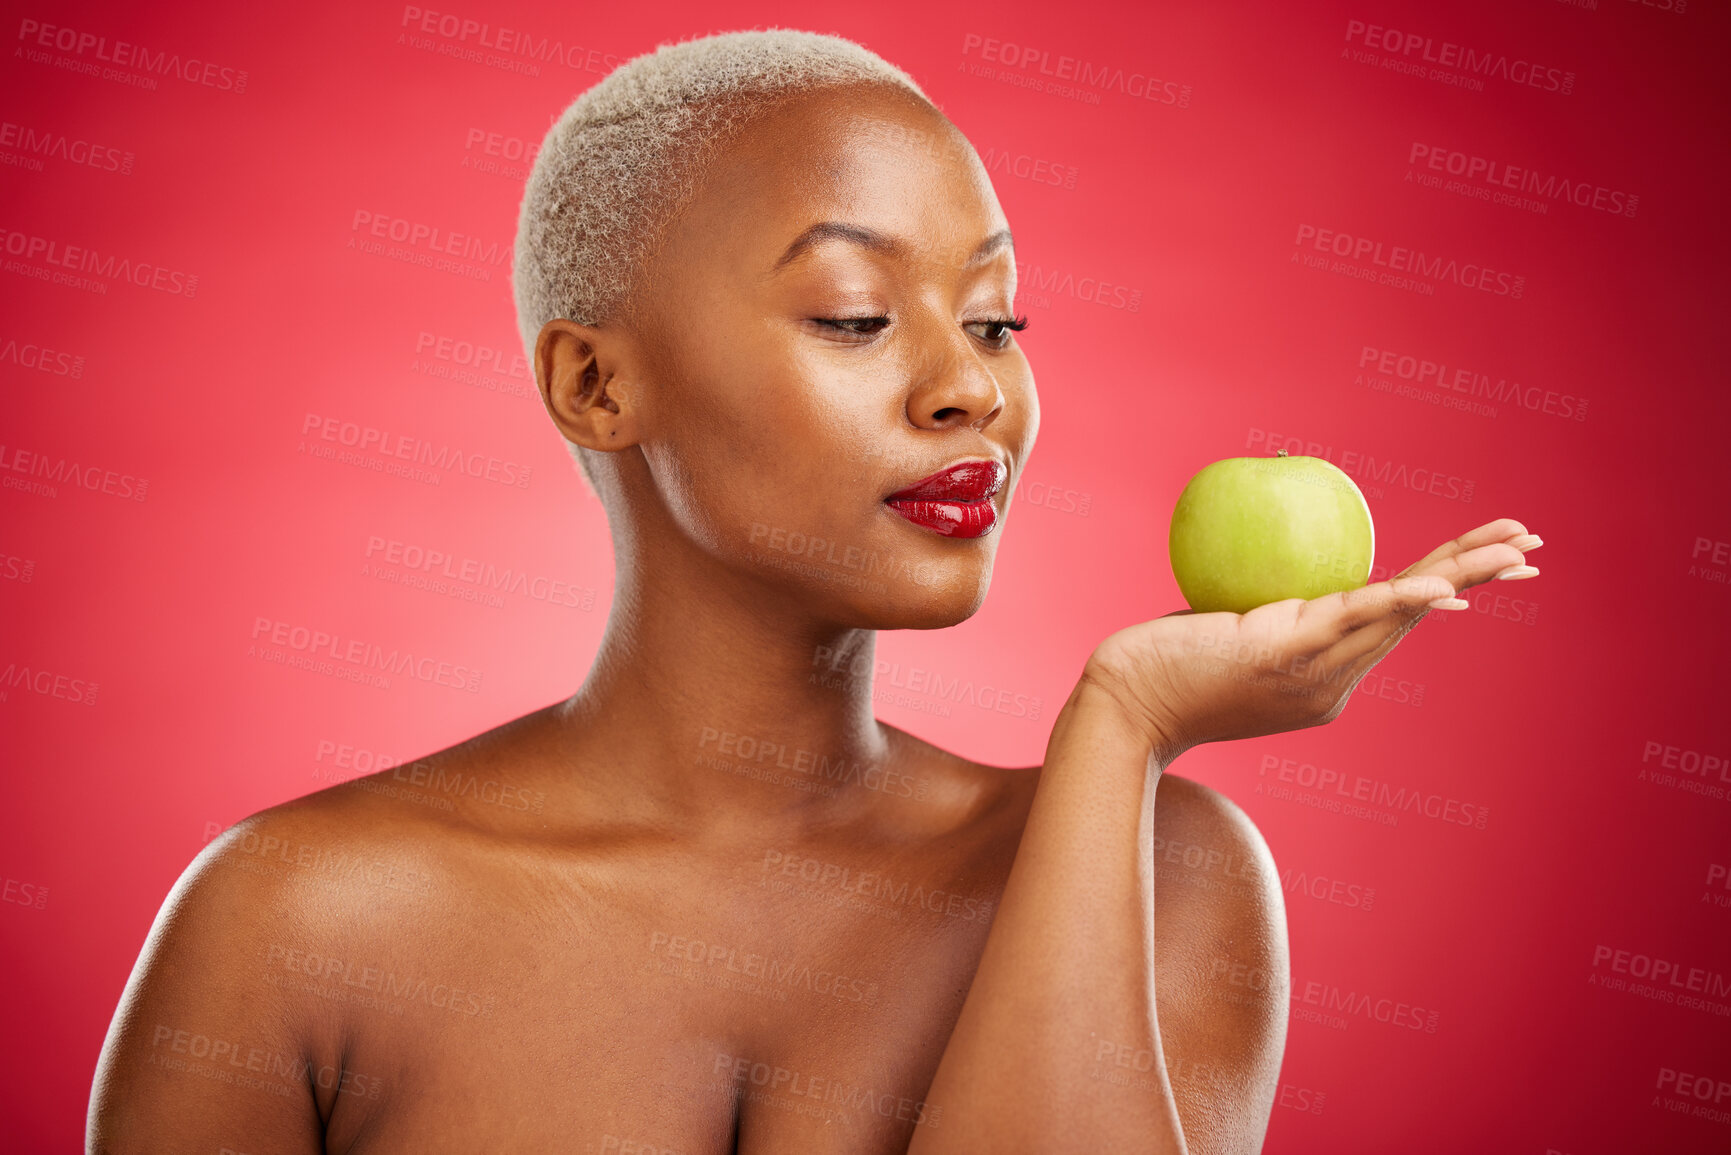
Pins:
x: 1015, y: 325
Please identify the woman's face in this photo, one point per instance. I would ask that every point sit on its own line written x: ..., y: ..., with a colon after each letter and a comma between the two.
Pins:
x: 789, y: 387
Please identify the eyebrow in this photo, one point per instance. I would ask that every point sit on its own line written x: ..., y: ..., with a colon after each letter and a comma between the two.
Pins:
x: 878, y: 242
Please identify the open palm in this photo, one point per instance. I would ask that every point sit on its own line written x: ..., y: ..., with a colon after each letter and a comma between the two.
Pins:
x: 1193, y: 677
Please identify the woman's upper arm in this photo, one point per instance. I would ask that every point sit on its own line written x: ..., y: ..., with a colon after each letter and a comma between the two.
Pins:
x: 1223, y: 973
x: 203, y: 1053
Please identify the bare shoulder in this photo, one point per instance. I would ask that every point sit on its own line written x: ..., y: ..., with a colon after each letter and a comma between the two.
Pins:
x: 203, y: 1050
x: 1222, y: 965
x: 216, y: 1039
x: 1216, y: 875
x: 1186, y: 806
x: 1220, y: 944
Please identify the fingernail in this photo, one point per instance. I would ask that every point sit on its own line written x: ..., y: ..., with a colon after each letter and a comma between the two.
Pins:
x: 1526, y: 541
x: 1448, y: 604
x: 1517, y: 572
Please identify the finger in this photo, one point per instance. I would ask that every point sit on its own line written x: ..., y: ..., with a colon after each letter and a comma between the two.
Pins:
x: 1383, y: 614
x: 1323, y: 622
x: 1476, y: 566
x: 1368, y: 645
x: 1371, y: 642
x: 1370, y: 634
x: 1358, y: 628
x: 1503, y: 530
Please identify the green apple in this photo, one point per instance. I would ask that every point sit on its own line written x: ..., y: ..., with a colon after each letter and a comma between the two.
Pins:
x: 1252, y: 530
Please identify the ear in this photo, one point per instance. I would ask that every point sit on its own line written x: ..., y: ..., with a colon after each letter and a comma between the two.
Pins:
x: 576, y: 368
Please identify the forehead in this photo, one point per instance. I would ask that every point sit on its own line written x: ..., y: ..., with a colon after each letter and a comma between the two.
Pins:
x: 866, y: 155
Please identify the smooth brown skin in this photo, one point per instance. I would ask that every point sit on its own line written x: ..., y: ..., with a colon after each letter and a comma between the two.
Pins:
x: 550, y: 899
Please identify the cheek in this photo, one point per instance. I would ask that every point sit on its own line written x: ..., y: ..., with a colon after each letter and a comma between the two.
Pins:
x: 1021, y: 405
x: 801, y: 418
x: 737, y: 455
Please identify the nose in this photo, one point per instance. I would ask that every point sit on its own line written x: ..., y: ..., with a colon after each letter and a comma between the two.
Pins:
x: 952, y: 386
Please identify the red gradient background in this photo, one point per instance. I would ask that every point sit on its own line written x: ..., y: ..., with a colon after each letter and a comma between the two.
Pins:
x: 1582, y: 713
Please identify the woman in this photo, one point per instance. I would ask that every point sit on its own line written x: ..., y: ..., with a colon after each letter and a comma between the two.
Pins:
x: 708, y: 903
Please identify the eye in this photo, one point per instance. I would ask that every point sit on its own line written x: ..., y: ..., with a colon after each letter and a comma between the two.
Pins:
x: 859, y: 326
x: 1000, y: 337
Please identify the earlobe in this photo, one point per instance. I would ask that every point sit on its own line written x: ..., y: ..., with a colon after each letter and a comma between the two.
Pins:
x: 576, y: 369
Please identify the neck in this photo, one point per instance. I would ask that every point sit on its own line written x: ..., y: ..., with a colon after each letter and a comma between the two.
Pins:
x: 715, y: 693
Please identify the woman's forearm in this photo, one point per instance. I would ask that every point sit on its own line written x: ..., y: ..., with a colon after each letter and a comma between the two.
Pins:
x: 1067, y: 970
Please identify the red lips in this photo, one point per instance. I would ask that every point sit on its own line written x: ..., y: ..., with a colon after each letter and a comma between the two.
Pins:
x: 955, y: 502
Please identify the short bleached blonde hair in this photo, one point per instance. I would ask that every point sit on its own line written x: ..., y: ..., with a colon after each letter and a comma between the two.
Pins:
x: 627, y: 154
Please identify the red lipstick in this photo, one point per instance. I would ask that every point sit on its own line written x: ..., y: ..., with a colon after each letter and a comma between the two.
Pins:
x: 955, y: 502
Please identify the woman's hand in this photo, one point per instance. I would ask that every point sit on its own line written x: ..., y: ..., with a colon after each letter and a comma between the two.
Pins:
x: 1189, y: 678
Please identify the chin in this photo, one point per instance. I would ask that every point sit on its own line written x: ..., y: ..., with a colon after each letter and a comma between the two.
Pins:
x: 880, y: 573
x: 943, y: 597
